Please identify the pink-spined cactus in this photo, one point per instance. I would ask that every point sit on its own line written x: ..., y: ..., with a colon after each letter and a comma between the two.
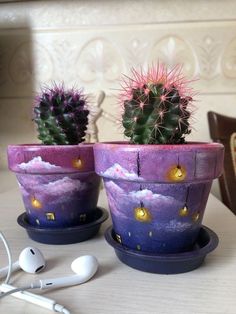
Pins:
x: 157, y: 105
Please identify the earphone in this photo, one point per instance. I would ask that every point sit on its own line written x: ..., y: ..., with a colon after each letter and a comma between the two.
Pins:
x: 85, y: 268
x: 31, y: 260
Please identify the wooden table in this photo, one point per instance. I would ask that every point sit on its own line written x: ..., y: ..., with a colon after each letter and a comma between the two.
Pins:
x: 117, y: 288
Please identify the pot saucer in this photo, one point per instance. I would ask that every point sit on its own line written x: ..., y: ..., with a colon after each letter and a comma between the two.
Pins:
x: 176, y: 263
x: 67, y: 235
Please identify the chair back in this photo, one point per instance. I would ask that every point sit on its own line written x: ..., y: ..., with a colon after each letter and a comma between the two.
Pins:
x: 223, y: 130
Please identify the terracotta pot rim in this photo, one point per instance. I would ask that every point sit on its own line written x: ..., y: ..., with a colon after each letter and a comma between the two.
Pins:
x: 124, y: 144
x: 51, y: 159
x: 157, y: 163
x: 37, y: 145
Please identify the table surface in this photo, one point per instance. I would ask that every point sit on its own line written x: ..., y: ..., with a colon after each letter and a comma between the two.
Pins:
x: 117, y: 288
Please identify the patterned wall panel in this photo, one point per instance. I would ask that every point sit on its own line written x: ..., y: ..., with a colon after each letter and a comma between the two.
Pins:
x: 43, y: 42
x: 97, y: 58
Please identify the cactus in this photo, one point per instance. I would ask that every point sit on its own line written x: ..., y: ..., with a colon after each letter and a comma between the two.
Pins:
x: 61, y: 116
x: 156, y: 106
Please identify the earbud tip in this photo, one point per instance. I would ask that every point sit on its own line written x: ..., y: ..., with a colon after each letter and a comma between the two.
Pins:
x: 31, y: 260
x: 86, y: 266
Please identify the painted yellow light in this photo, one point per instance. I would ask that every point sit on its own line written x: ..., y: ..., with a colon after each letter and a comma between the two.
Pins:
x: 118, y: 238
x: 77, y: 163
x: 142, y: 214
x: 196, y: 216
x: 183, y: 212
x: 177, y: 173
x: 50, y: 216
x: 36, y: 203
x: 82, y: 217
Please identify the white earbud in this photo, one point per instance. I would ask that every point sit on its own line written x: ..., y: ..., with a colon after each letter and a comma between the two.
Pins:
x: 85, y: 268
x: 31, y: 260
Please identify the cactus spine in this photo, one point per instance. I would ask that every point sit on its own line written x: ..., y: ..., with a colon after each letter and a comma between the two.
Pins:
x: 156, y: 106
x: 61, y: 116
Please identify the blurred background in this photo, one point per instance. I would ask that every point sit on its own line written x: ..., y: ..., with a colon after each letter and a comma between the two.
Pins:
x: 91, y: 43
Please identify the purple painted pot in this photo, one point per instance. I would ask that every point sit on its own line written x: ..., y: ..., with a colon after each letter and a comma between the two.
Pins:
x: 157, y: 194
x: 58, y: 183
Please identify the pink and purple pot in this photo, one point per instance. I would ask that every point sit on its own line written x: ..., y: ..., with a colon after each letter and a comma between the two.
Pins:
x: 58, y: 183
x: 157, y: 194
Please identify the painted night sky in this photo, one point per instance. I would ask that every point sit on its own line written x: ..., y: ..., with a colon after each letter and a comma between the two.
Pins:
x: 48, y: 197
x: 153, y: 216
x: 157, y: 194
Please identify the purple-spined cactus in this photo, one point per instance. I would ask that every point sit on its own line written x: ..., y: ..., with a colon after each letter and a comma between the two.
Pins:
x: 61, y: 115
x: 156, y: 106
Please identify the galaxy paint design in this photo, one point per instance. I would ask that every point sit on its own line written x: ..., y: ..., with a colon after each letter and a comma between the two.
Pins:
x: 157, y: 194
x: 56, y: 195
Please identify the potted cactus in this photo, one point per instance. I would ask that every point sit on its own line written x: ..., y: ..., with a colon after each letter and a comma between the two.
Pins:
x: 57, y: 179
x: 157, y: 184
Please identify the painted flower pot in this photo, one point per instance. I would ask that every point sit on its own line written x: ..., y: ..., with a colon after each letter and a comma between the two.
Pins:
x: 58, y: 183
x: 157, y: 194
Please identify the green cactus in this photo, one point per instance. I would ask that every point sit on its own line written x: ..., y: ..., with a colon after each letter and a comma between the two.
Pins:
x: 156, y: 107
x: 61, y: 116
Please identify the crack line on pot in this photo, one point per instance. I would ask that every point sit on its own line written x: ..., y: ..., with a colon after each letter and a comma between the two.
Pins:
x: 138, y: 165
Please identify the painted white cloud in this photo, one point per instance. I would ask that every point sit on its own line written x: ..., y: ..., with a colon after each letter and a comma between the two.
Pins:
x: 118, y: 172
x: 62, y: 186
x: 22, y: 189
x: 148, y: 195
x: 29, y: 182
x: 37, y: 164
x: 137, y: 196
x: 113, y: 188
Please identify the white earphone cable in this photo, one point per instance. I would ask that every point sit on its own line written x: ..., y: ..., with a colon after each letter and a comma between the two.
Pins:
x: 61, y: 309
x: 56, y: 307
x: 20, y: 289
x: 36, y: 299
x: 14, y: 291
x: 8, y: 256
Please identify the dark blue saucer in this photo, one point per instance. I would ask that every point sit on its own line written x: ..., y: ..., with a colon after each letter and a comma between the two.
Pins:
x: 67, y: 235
x: 176, y: 263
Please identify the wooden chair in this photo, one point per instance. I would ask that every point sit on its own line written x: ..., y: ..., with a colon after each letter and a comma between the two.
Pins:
x: 223, y: 130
